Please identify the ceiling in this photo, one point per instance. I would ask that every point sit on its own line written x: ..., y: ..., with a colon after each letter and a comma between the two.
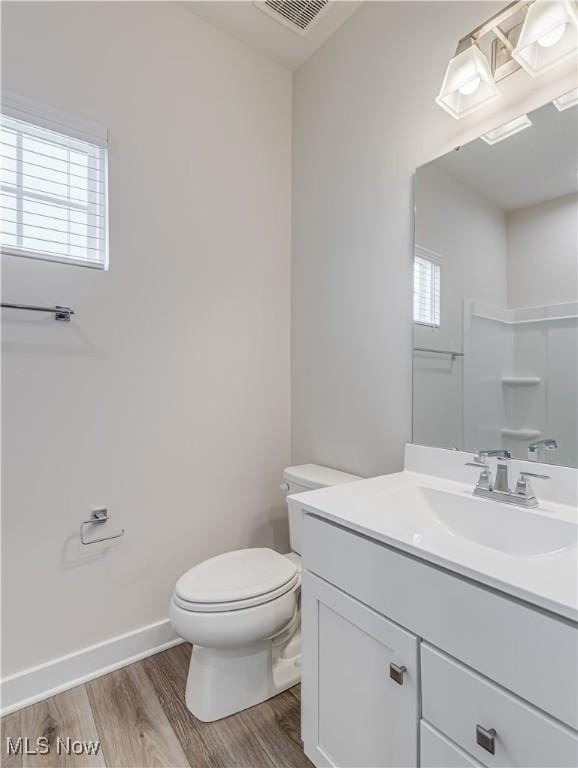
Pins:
x: 531, y: 167
x: 242, y: 20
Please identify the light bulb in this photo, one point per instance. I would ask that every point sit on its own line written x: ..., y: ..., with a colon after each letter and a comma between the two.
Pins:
x: 470, y: 87
x: 552, y: 37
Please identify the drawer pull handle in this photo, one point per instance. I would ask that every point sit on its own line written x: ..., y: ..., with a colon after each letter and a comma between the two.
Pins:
x: 396, y: 673
x: 486, y: 738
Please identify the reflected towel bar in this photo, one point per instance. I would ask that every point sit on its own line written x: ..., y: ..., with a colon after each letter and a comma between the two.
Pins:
x: 60, y: 313
x: 439, y: 351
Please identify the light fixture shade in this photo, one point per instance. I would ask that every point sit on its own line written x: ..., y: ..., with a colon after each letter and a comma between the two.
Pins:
x: 506, y: 130
x: 566, y: 100
x: 548, y: 37
x: 468, y: 83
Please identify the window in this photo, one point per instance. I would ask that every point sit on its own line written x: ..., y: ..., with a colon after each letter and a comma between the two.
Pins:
x: 426, y: 288
x: 53, y: 186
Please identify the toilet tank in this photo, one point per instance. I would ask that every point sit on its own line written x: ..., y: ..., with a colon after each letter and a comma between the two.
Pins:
x: 307, y: 477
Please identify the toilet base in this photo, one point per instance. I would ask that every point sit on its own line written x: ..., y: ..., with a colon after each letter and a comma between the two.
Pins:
x: 223, y: 682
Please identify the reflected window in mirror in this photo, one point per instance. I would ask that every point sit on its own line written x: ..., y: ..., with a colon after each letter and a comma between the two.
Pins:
x: 426, y: 288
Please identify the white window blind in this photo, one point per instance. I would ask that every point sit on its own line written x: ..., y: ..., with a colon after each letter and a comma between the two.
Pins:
x: 53, y: 187
x: 426, y: 289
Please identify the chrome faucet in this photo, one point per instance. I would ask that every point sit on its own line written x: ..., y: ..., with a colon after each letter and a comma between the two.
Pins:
x: 522, y: 495
x: 536, y: 450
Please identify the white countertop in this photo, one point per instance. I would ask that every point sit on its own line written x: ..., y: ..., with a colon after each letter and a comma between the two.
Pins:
x: 372, y: 507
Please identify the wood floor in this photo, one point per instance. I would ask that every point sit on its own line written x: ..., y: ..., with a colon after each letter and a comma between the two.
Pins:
x: 139, y: 716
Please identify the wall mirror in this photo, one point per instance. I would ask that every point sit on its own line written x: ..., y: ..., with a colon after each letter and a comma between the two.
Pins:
x: 495, y: 288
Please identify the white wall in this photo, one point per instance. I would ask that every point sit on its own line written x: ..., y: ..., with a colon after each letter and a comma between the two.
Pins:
x: 364, y: 119
x: 488, y: 357
x: 543, y: 253
x: 167, y: 397
x: 471, y: 266
x: 469, y: 234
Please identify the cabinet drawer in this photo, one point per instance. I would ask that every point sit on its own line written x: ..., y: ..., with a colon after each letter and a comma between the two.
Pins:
x: 437, y: 751
x: 530, y: 652
x: 457, y: 701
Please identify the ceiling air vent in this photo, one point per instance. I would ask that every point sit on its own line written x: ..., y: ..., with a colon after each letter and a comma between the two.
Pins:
x: 297, y: 15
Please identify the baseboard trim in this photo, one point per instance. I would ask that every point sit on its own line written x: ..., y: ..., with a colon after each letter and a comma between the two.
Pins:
x: 45, y: 680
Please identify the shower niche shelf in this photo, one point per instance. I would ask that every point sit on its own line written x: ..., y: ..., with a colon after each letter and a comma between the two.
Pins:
x: 521, y: 381
x: 521, y: 434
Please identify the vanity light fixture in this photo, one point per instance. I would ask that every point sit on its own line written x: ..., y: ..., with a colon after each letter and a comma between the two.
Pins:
x: 567, y: 100
x: 548, y: 37
x: 468, y: 83
x: 535, y: 35
x: 506, y: 130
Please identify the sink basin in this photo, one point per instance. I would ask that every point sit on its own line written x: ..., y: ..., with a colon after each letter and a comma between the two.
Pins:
x: 491, y: 524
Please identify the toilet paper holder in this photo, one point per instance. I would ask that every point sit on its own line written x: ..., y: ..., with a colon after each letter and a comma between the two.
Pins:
x: 97, y: 517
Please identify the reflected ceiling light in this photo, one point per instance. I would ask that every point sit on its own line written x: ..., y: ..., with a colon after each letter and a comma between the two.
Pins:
x: 468, y: 83
x: 533, y: 34
x: 567, y: 100
x: 506, y: 130
x: 549, y: 36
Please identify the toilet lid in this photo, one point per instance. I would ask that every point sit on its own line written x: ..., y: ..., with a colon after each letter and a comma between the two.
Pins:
x: 234, y: 576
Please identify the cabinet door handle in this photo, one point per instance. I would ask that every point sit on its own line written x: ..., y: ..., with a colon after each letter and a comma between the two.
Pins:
x: 486, y: 738
x: 396, y: 673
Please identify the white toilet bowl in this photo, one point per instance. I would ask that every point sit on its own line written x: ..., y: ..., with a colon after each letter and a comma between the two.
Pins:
x: 240, y: 611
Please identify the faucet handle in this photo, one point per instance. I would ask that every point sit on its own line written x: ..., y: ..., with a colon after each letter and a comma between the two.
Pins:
x: 523, y: 487
x: 485, y: 480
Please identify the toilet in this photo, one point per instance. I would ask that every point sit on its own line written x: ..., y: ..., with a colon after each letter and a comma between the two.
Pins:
x: 241, y: 612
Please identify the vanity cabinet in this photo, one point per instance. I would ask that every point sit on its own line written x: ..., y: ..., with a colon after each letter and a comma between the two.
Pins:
x: 489, y: 680
x: 361, y: 673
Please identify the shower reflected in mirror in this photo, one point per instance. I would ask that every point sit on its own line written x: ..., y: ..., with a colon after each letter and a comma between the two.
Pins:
x: 495, y: 294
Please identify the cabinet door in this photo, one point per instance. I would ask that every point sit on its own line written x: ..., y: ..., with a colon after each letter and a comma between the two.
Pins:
x: 354, y: 713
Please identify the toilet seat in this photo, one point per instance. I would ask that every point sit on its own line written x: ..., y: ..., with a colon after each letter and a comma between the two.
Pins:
x: 236, y: 580
x: 236, y: 605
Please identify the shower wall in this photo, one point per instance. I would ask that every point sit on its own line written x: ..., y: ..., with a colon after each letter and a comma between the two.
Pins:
x: 521, y: 363
x: 488, y: 354
x: 521, y: 377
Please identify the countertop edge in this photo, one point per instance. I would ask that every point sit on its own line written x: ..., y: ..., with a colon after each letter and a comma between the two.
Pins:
x: 558, y: 610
